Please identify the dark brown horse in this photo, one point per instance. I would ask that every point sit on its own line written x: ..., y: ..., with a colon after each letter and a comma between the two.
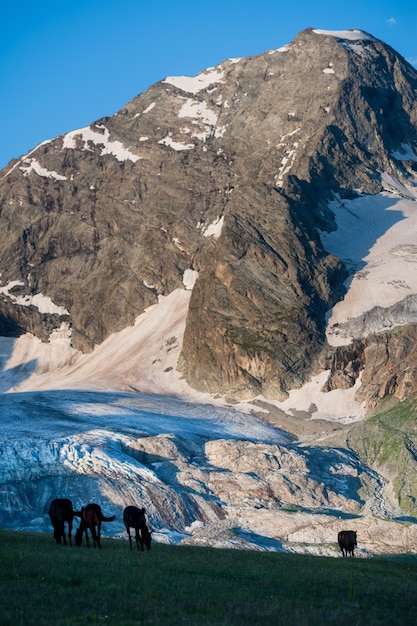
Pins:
x: 91, y: 518
x: 61, y: 511
x: 347, y: 540
x: 135, y: 518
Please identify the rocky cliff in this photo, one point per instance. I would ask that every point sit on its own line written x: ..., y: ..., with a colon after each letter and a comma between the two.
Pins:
x: 223, y: 184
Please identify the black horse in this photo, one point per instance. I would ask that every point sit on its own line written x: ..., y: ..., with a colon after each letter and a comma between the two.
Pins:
x: 61, y: 511
x: 347, y: 540
x: 135, y: 518
x: 91, y: 518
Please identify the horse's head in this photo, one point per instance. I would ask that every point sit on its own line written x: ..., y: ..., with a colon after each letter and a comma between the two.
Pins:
x: 148, y: 539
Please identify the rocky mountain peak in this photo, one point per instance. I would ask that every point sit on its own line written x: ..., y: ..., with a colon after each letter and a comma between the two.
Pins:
x: 221, y: 184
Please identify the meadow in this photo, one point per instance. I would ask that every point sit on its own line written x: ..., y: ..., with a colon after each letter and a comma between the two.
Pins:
x: 44, y: 583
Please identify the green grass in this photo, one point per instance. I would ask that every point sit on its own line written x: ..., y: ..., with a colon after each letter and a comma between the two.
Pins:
x: 383, y: 436
x: 42, y: 583
x: 386, y: 441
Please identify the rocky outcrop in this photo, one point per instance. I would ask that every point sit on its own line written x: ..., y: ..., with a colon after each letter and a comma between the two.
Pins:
x: 385, y: 362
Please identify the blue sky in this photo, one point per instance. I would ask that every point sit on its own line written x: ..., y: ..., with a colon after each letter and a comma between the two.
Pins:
x: 65, y: 64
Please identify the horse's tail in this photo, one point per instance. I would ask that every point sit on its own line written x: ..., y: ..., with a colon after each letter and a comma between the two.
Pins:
x: 77, y: 513
x: 111, y: 518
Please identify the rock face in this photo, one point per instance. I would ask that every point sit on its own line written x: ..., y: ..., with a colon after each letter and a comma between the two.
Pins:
x: 386, y: 362
x: 222, y: 180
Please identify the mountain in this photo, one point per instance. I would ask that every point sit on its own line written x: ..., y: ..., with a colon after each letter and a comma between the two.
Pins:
x: 243, y: 237
x: 234, y: 182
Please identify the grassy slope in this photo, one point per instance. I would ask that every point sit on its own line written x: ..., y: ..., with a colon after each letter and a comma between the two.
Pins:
x: 385, y: 441
x: 42, y: 583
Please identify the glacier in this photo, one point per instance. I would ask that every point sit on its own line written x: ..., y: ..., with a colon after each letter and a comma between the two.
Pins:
x: 81, y: 445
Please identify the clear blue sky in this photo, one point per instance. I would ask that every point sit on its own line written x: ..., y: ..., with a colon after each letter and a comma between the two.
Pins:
x: 65, y: 64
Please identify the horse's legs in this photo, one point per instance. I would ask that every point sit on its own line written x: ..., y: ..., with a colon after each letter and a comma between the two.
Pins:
x: 86, y: 537
x: 62, y: 532
x: 96, y: 535
x: 99, y: 534
x: 69, y: 531
x: 138, y: 538
x: 57, y: 533
x: 130, y: 538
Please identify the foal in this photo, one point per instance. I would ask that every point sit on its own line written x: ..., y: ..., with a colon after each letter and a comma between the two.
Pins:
x: 91, y: 518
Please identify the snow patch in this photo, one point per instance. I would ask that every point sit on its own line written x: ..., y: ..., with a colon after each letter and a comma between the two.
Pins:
x: 288, y: 159
x: 176, y: 145
x: 350, y: 35
x: 338, y: 405
x: 149, y: 108
x: 215, y: 228
x: 381, y: 256
x: 90, y: 136
x: 32, y: 165
x: 220, y: 131
x: 144, y: 354
x: 43, y: 303
x: 197, y: 83
x: 199, y: 111
x: 43, y: 143
x: 179, y: 244
x: 189, y: 278
x: 61, y: 335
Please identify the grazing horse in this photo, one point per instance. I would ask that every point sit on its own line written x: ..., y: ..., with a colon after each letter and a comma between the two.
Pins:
x: 135, y: 518
x: 91, y: 518
x: 347, y: 540
x: 61, y: 511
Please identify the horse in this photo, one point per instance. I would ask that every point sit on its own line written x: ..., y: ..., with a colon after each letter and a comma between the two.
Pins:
x: 91, y: 518
x: 135, y: 518
x: 61, y: 511
x: 347, y: 540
